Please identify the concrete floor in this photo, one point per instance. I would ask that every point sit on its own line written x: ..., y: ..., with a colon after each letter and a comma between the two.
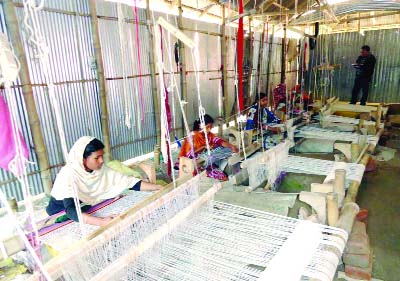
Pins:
x: 380, y: 194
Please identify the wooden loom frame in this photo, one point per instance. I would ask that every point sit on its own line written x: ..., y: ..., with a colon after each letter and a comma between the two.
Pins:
x: 53, y: 266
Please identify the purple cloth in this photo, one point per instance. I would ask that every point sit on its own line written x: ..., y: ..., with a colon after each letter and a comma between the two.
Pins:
x: 8, y: 148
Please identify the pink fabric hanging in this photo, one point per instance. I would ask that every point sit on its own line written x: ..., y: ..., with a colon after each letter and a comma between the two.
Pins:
x: 8, y: 148
x: 239, y: 61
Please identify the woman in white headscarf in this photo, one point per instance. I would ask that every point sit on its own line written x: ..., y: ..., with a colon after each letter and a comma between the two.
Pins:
x: 85, y: 175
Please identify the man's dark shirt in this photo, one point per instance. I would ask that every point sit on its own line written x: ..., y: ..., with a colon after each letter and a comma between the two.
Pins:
x: 366, y: 66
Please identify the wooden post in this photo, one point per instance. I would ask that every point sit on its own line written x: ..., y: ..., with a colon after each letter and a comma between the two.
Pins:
x: 27, y: 90
x: 100, y: 77
x: 153, y: 75
x: 352, y: 191
x: 378, y: 117
x: 339, y: 185
x: 269, y: 66
x: 355, y: 151
x: 182, y: 62
x: 260, y: 61
x: 224, y: 62
x: 283, y: 57
x: 332, y: 208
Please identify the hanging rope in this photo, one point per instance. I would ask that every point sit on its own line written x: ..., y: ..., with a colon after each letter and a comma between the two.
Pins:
x: 138, y: 53
x: 36, y: 39
x: 10, y: 68
x: 122, y: 46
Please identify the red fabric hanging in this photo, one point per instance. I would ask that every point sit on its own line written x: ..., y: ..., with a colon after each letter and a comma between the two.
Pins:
x: 240, y: 39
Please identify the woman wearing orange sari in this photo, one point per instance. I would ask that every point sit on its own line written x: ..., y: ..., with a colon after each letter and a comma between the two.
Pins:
x: 195, y: 146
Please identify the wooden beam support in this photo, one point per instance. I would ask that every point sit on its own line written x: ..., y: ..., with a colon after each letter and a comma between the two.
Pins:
x: 153, y: 75
x: 100, y: 78
x: 224, y: 61
x: 182, y: 62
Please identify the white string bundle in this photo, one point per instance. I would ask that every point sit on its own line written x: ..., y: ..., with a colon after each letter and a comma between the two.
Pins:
x: 41, y: 50
x: 304, y: 165
x: 228, y: 242
x: 266, y: 165
x: 347, y: 120
x: 9, y: 66
x: 320, y: 133
x: 122, y: 30
x: 38, y: 43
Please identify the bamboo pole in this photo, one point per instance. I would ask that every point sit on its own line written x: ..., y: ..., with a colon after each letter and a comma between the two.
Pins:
x: 352, y: 192
x: 378, y: 117
x: 224, y: 65
x: 283, y: 57
x: 260, y: 60
x: 355, y: 152
x: 339, y: 185
x: 101, y: 80
x: 153, y: 73
x: 182, y: 62
x: 270, y: 42
x: 154, y: 86
x: 27, y: 90
x: 332, y: 208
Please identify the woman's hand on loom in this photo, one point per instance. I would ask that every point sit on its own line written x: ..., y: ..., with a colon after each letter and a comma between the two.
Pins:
x: 146, y: 186
x: 89, y: 219
x: 233, y: 148
x: 106, y: 220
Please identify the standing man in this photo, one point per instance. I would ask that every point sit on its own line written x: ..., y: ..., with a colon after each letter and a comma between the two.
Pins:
x: 364, y: 66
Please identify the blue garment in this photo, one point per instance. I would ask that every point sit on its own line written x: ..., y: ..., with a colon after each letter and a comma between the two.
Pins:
x: 265, y: 116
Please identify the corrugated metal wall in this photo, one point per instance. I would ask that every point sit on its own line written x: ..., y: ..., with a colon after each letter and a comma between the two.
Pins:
x: 343, y: 49
x: 67, y: 31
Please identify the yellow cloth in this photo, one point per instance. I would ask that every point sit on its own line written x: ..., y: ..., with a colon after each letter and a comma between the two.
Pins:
x: 92, y: 187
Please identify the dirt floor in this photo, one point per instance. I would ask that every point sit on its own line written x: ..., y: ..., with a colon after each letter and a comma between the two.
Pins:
x: 380, y: 194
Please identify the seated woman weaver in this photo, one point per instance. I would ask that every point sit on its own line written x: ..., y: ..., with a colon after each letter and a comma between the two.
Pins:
x: 85, y: 176
x: 195, y: 146
x: 259, y: 117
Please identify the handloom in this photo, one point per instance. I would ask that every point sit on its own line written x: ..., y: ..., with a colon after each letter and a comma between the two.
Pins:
x: 184, y: 236
x: 63, y: 237
x: 320, y: 133
x: 347, y: 120
x: 266, y: 165
x: 298, y: 164
x: 269, y: 164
